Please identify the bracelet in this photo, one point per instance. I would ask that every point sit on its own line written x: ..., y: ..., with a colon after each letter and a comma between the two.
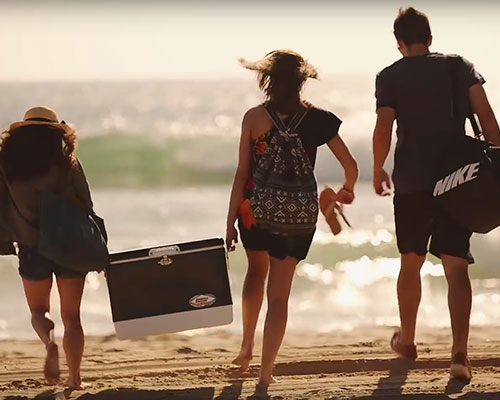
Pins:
x: 347, y: 190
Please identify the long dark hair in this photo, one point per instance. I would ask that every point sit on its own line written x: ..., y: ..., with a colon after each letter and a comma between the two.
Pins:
x: 30, y: 151
x: 281, y: 75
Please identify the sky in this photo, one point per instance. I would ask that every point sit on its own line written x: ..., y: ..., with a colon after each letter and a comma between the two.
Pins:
x: 137, y: 40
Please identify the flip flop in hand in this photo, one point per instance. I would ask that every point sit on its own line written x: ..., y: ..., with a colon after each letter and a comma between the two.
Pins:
x: 330, y: 209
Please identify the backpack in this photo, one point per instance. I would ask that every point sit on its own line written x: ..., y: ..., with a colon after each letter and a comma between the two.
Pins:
x: 285, y: 194
x: 70, y: 235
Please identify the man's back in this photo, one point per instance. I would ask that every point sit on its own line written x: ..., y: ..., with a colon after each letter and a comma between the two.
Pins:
x: 420, y: 90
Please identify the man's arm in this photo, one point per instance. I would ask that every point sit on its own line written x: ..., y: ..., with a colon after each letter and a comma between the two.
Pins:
x: 481, y: 106
x: 381, y: 147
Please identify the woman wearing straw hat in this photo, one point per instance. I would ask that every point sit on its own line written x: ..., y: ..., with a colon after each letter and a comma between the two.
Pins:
x: 34, y: 154
x: 282, y: 134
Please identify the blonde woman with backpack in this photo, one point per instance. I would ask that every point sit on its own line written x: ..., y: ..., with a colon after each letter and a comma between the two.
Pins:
x: 274, y: 194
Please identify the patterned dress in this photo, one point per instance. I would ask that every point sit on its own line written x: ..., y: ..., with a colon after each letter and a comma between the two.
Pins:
x: 318, y: 127
x: 259, y: 147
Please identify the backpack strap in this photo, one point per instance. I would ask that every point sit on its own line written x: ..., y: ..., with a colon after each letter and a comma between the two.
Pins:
x: 279, y: 123
x: 275, y: 118
x: 296, y: 120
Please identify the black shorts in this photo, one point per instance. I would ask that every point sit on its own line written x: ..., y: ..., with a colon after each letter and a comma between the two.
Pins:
x: 278, y: 246
x: 418, y: 218
x: 35, y: 267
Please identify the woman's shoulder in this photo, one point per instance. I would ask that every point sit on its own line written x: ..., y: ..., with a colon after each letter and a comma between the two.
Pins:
x: 320, y: 125
x: 254, y: 112
x: 321, y: 115
x: 256, y: 120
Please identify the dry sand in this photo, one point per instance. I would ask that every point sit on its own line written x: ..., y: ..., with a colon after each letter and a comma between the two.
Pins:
x: 342, y: 365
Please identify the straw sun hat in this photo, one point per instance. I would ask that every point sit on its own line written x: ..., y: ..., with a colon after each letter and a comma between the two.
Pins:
x: 40, y: 116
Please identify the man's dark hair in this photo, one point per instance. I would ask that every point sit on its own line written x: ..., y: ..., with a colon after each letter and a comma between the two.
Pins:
x: 412, y: 26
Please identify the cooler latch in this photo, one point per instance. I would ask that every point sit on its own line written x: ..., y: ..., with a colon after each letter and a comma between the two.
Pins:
x: 165, y: 260
x: 165, y: 253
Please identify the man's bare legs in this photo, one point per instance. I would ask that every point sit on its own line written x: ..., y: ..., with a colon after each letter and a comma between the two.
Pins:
x: 278, y: 291
x: 459, y: 300
x: 409, y: 293
x: 38, y: 297
x: 70, y: 292
x: 253, y: 294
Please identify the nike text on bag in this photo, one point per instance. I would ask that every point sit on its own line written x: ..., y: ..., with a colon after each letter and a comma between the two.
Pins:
x: 459, y: 177
x: 285, y: 197
x: 471, y: 193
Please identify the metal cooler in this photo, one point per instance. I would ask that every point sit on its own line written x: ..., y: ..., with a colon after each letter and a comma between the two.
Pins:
x: 169, y: 288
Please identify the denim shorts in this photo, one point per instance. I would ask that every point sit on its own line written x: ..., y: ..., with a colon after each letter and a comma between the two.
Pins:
x: 34, y: 267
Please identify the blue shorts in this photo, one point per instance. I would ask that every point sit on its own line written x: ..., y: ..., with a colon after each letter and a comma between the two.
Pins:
x: 34, y: 267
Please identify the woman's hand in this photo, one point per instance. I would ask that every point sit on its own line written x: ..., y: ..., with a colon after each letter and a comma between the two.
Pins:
x: 351, y: 172
x: 345, y: 196
x: 231, y: 238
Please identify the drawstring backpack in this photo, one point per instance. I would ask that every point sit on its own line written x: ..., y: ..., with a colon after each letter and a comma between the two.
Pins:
x: 285, y: 195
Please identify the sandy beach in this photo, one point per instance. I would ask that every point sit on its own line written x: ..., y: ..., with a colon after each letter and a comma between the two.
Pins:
x: 341, y: 365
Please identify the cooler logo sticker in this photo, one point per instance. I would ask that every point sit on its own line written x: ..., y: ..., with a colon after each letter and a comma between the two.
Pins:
x: 202, y: 300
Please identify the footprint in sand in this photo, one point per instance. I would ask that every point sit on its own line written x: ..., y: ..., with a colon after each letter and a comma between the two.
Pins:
x: 186, y: 350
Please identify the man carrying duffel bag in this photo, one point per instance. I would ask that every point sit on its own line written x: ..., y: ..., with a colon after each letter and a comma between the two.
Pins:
x: 428, y: 94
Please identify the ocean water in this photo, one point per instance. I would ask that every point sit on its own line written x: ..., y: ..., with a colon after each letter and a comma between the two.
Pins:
x: 160, y: 157
x: 347, y: 281
x: 179, y: 132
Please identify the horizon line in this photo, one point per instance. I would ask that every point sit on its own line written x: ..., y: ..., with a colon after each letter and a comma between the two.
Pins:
x: 159, y: 79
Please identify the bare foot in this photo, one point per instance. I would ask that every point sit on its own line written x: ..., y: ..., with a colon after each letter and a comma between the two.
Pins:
x: 51, y: 369
x: 44, y: 327
x: 75, y: 383
x: 267, y: 380
x: 243, y: 361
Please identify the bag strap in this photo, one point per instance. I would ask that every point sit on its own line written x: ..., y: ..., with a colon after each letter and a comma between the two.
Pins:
x: 294, y: 125
x: 276, y: 119
x: 452, y: 67
x: 475, y: 127
x: 280, y: 124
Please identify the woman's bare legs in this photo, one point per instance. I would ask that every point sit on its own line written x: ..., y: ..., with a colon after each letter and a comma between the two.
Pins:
x: 70, y: 292
x: 278, y: 291
x: 38, y: 297
x: 253, y: 294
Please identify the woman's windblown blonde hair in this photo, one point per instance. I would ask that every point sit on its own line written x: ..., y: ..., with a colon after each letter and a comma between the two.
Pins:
x: 281, y: 75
